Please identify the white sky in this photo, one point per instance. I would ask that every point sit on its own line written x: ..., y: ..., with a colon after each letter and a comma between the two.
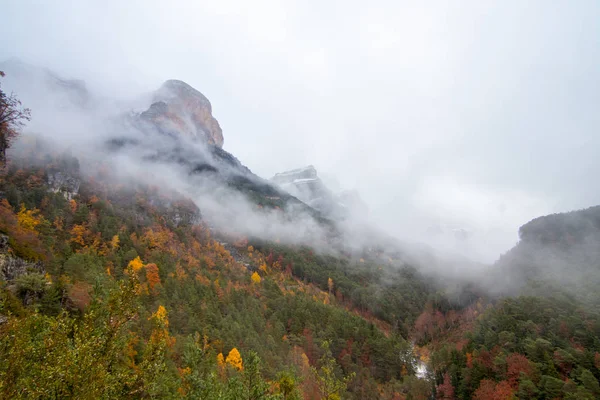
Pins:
x: 473, y: 114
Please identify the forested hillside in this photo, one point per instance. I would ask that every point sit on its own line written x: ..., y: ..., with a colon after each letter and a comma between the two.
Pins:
x: 538, y: 335
x: 151, y: 265
x: 114, y: 291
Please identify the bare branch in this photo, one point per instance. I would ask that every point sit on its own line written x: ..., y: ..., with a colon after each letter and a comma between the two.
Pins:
x: 12, y: 118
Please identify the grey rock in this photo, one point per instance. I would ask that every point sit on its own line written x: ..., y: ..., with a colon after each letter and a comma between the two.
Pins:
x: 12, y: 267
x: 65, y: 183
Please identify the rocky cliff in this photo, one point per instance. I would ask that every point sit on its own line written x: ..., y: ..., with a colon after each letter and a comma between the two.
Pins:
x: 178, y: 108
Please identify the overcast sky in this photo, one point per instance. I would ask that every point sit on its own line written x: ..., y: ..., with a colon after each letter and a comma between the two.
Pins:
x: 473, y: 114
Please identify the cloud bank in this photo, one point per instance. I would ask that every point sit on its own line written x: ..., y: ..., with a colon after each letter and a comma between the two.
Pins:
x: 474, y: 118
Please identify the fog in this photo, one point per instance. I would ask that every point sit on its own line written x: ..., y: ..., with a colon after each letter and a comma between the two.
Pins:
x: 456, y: 124
x: 115, y: 145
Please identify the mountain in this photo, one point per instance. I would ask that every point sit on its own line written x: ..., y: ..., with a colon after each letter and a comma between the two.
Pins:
x: 537, y: 337
x: 140, y: 259
x: 169, y: 132
x: 179, y: 109
x: 305, y: 184
x: 145, y: 249
x: 561, y: 250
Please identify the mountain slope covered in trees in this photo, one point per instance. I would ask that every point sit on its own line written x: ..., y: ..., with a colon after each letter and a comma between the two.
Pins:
x: 158, y: 266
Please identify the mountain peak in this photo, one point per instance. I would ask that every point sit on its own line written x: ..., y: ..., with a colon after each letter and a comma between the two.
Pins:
x: 305, y: 173
x: 180, y: 89
x: 179, y: 108
x: 305, y: 184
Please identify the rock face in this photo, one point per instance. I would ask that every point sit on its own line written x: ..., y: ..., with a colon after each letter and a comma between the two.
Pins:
x: 12, y: 267
x: 177, y: 108
x: 61, y: 182
x: 305, y: 184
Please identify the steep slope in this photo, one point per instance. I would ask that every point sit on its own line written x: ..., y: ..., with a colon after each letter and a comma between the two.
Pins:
x: 169, y: 138
x: 153, y: 264
x: 138, y: 292
x: 560, y: 251
x: 537, y: 336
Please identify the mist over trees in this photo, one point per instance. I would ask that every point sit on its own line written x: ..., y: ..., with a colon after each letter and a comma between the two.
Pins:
x: 139, y: 263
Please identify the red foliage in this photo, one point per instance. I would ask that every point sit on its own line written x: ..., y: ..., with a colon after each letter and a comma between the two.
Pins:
x: 486, y: 358
x: 517, y: 364
x: 490, y: 390
x: 153, y: 277
x: 445, y: 391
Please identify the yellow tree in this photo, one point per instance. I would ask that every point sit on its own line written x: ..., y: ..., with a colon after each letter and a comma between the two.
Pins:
x: 220, y: 360
x: 78, y: 233
x: 114, y: 243
x: 234, y: 359
x: 255, y: 277
x: 136, y: 264
x: 154, y: 369
x: 29, y: 219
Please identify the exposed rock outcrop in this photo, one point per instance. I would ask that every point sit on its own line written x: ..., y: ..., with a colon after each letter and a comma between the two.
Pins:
x: 61, y: 182
x: 177, y: 108
x: 12, y: 267
x: 305, y: 184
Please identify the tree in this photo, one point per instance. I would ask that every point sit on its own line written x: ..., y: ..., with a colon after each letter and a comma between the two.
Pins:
x: 551, y: 387
x: 136, y: 264
x: 235, y: 359
x: 330, y: 386
x: 12, y: 118
x: 288, y: 387
x: 445, y: 390
x: 517, y: 364
x: 152, y: 277
x: 157, y: 378
x: 255, y: 278
x: 590, y: 382
x: 489, y: 390
x: 64, y: 357
x: 527, y: 390
x: 255, y: 386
